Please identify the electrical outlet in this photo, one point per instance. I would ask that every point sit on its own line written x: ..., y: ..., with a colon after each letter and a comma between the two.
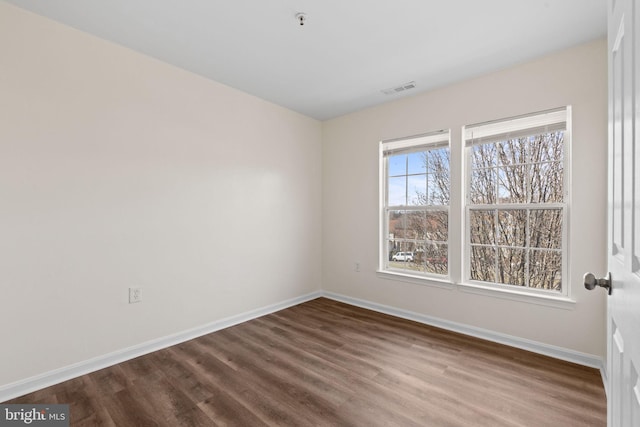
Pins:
x: 357, y: 267
x: 135, y: 295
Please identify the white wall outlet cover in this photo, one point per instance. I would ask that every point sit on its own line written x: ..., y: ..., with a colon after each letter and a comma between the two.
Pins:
x: 135, y: 295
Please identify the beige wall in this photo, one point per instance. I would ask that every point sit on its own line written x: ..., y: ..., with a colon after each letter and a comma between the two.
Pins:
x: 117, y: 170
x: 575, y: 77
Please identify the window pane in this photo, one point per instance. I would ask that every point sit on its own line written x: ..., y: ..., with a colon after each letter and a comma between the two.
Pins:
x: 483, y: 155
x: 397, y: 165
x: 437, y: 226
x: 512, y: 184
x: 482, y: 227
x: 483, y: 186
x: 394, y: 247
x: 512, y: 227
x: 417, y: 163
x: 547, y: 147
x: 410, y: 250
x: 545, y: 269
x: 546, y: 228
x: 483, y: 260
x: 438, y: 179
x: 416, y: 222
x: 547, y: 181
x: 404, y: 258
x: 512, y: 152
x: 417, y: 194
x: 436, y: 258
x: 397, y: 191
x: 438, y: 161
x: 511, y: 266
x: 397, y: 225
x: 391, y: 248
x: 397, y: 246
x: 438, y: 189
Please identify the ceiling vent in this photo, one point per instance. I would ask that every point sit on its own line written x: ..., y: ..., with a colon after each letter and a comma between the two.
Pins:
x: 401, y: 88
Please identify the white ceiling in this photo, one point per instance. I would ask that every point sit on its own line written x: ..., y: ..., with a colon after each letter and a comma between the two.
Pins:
x: 348, y: 51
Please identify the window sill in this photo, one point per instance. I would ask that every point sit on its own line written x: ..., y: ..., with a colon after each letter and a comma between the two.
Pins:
x: 556, y: 301
x: 435, y: 282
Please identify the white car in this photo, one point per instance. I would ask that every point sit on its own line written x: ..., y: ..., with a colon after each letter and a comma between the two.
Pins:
x: 403, y: 256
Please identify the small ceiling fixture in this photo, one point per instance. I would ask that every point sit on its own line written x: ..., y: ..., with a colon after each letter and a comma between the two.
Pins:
x: 301, y: 18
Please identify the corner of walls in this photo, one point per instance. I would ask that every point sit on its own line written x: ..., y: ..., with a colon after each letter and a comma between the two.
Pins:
x: 118, y: 171
x: 56, y: 376
x: 556, y: 352
x: 350, y: 190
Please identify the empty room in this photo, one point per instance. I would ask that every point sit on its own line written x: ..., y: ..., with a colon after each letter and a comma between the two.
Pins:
x: 305, y: 213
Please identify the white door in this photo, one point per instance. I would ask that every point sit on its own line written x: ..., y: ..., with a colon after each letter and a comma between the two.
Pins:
x: 623, y: 314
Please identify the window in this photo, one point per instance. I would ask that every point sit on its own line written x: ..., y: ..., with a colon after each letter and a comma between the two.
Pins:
x: 415, y: 205
x: 516, y: 214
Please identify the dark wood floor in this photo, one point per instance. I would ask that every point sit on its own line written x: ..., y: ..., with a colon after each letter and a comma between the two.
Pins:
x: 324, y: 363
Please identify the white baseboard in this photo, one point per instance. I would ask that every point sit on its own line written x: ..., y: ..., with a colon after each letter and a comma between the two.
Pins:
x: 47, y: 379
x: 19, y: 388
x: 525, y: 344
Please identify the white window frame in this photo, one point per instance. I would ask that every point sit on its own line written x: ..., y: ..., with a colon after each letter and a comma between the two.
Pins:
x: 432, y: 140
x: 531, y: 124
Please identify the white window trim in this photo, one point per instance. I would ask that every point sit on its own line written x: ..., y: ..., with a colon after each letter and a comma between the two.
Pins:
x: 546, y: 297
x: 458, y: 250
x: 438, y: 280
x: 432, y: 281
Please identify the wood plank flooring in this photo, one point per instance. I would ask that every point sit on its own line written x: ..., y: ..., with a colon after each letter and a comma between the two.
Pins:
x: 324, y: 363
